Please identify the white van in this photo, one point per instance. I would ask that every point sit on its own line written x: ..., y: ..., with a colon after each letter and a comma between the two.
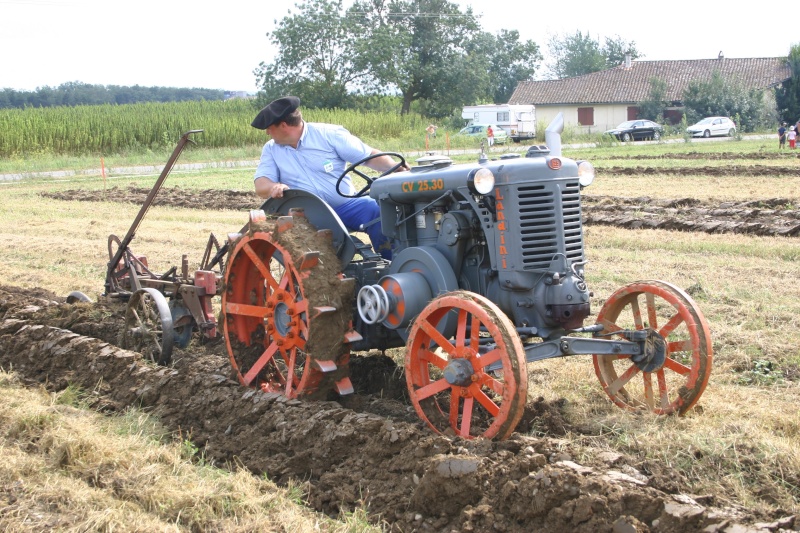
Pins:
x: 519, y: 121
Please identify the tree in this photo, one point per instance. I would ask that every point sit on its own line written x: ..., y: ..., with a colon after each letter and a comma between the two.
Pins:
x: 615, y: 50
x: 487, y: 72
x: 653, y: 107
x: 578, y: 54
x: 411, y: 46
x: 724, y: 97
x: 317, y: 60
x: 787, y: 95
x: 510, y: 61
x: 429, y: 52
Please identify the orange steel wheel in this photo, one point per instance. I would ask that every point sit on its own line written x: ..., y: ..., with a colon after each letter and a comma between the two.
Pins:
x: 267, y: 319
x: 677, y: 385
x: 447, y: 378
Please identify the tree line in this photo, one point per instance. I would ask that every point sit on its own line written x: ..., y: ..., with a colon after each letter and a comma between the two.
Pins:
x: 77, y: 93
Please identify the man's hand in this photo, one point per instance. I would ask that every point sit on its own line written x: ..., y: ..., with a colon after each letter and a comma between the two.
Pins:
x: 277, y: 190
x: 266, y: 188
x: 385, y: 163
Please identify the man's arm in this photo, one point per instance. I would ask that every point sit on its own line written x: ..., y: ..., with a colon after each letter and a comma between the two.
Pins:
x: 384, y: 163
x: 266, y: 188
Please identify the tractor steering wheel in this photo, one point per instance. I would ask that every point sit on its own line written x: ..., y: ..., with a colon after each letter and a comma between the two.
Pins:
x: 355, y: 170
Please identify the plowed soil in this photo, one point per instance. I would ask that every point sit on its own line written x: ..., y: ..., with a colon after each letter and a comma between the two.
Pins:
x: 776, y: 216
x: 368, y: 449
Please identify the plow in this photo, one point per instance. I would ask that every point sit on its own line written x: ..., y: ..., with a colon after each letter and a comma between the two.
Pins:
x: 487, y: 277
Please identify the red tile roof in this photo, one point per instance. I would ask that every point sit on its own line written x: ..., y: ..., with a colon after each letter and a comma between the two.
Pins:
x: 620, y: 85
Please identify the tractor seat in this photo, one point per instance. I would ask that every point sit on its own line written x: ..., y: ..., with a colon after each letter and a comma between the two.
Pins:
x: 321, y: 216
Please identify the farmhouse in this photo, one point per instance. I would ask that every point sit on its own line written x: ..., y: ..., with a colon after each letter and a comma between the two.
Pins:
x: 601, y: 100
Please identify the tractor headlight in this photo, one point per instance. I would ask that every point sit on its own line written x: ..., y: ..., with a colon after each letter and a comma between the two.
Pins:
x: 481, y: 181
x: 585, y: 173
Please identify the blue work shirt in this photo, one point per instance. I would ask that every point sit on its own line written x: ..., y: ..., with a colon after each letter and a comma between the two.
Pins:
x: 322, y: 154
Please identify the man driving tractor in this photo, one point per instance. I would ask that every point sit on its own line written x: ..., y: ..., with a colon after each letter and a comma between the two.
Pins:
x: 311, y: 156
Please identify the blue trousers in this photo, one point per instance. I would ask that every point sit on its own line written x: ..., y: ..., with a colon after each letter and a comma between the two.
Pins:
x: 360, y: 211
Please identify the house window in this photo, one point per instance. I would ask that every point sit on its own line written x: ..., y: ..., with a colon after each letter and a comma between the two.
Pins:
x: 633, y: 112
x: 586, y: 116
x: 502, y: 116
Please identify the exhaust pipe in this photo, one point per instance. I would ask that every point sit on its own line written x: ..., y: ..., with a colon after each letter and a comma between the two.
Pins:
x: 552, y: 135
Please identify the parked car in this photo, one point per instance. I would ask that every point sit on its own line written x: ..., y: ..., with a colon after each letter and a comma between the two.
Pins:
x: 637, y: 130
x: 713, y: 126
x: 479, y: 130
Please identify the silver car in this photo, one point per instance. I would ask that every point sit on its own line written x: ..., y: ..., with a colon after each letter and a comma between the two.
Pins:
x: 711, y: 126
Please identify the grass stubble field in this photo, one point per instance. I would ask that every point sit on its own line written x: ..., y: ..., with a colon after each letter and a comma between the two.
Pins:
x: 740, y: 444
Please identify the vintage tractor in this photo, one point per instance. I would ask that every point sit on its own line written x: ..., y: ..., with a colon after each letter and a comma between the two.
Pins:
x: 487, y: 275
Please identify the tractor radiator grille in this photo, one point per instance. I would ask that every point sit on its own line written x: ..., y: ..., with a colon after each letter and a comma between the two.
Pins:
x: 550, y: 223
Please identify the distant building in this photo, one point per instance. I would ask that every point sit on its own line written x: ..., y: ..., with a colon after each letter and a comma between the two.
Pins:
x: 601, y: 100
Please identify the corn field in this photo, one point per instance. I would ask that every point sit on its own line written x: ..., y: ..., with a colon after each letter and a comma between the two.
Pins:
x: 115, y: 129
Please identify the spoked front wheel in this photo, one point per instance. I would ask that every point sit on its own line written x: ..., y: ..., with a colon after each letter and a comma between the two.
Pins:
x: 676, y: 385
x: 473, y: 384
x: 148, y: 326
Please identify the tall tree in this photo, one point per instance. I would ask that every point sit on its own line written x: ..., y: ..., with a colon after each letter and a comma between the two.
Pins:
x: 578, y: 54
x: 412, y: 46
x: 430, y: 52
x: 316, y: 62
x: 511, y: 61
x: 787, y: 95
x: 487, y: 71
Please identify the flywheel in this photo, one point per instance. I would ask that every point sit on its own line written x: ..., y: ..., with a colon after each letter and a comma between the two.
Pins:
x: 287, y: 309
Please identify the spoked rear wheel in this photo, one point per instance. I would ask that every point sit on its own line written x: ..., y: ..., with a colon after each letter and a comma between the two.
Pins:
x: 451, y: 385
x: 678, y: 384
x: 148, y: 326
x: 270, y: 326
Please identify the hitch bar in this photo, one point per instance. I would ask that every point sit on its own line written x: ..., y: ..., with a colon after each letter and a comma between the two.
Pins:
x: 123, y: 245
x: 634, y: 347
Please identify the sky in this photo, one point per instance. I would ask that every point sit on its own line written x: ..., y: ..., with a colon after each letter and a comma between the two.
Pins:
x: 218, y: 45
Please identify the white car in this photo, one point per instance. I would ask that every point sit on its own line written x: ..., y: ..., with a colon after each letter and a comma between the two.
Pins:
x: 710, y: 126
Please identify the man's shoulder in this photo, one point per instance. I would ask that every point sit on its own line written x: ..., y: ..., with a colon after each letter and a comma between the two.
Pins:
x: 324, y: 128
x: 322, y: 132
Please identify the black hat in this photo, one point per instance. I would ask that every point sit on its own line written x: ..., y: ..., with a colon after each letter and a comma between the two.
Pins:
x: 276, y: 111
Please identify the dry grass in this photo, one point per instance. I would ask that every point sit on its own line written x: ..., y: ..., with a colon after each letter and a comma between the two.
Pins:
x: 740, y: 443
x: 71, y: 469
